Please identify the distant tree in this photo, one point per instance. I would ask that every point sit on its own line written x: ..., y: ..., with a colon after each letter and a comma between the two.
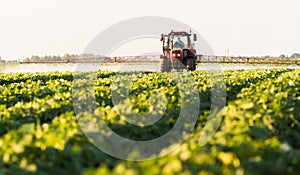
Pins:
x: 34, y: 58
x: 56, y: 58
x: 66, y: 56
x: 283, y: 56
x: 46, y: 57
x: 295, y: 55
x: 74, y: 56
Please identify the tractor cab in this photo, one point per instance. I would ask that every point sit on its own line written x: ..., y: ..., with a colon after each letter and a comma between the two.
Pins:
x: 178, y: 51
x: 180, y: 42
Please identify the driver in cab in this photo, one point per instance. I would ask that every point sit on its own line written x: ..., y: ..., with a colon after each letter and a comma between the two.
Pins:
x: 179, y: 44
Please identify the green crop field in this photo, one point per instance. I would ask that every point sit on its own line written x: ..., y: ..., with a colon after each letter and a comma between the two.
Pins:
x: 259, y: 133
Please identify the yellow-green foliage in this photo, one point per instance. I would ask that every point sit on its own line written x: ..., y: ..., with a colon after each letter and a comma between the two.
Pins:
x: 259, y: 134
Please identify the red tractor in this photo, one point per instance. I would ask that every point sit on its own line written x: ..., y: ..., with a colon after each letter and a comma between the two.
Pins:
x: 180, y: 54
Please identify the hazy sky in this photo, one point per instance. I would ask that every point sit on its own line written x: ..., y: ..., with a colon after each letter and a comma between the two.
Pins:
x: 246, y: 27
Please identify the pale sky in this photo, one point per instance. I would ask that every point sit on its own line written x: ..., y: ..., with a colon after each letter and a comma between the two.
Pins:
x: 52, y: 27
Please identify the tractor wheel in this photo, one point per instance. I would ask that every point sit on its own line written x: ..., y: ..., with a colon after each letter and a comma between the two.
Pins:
x: 165, y: 65
x: 178, y: 66
x: 191, y: 64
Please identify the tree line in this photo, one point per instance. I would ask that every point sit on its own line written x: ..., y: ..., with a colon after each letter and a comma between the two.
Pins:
x: 91, y: 56
x: 59, y: 58
x: 282, y: 56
